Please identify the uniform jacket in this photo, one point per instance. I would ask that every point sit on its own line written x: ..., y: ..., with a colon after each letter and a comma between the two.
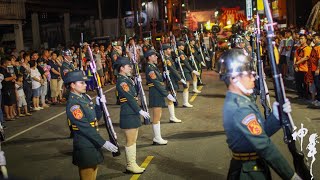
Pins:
x: 87, y: 142
x: 247, y: 131
x: 155, y: 81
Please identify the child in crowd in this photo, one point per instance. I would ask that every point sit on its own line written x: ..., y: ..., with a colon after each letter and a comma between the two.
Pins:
x: 21, y: 98
x: 90, y: 83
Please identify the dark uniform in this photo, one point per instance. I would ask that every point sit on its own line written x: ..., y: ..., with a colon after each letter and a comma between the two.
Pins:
x: 197, y: 57
x: 246, y: 130
x: 187, y: 69
x: 87, y: 142
x: 146, y: 47
x: 248, y: 138
x: 157, y: 90
x: 174, y: 74
x: 129, y: 113
x: 65, y: 68
x: 114, y: 56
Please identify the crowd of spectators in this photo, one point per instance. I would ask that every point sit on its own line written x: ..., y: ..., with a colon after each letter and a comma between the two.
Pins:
x: 299, y: 52
x: 31, y: 81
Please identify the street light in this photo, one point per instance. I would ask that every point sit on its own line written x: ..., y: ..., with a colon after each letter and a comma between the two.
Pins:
x: 183, y: 5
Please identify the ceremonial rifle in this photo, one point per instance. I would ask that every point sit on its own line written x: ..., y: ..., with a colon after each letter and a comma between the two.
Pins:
x: 192, y: 57
x: 264, y: 92
x: 203, y: 45
x: 285, y: 118
x: 138, y: 82
x: 106, y: 116
x: 174, y: 45
x: 167, y: 75
x: 200, y: 49
x: 80, y: 52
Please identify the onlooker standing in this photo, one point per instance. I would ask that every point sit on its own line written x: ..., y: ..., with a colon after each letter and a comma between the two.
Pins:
x: 21, y: 98
x: 27, y: 82
x: 8, y: 90
x: 313, y: 71
x: 301, y: 65
x: 289, y: 43
x: 37, y: 81
x: 282, y: 52
x: 97, y: 55
x: 55, y: 76
x: 42, y: 68
x: 1, y: 113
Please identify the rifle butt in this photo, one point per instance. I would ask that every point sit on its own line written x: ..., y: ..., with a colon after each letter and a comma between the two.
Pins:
x: 176, y: 104
x: 114, y: 142
x: 146, y: 121
x: 299, y: 161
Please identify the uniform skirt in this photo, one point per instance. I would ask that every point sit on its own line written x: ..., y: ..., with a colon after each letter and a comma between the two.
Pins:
x: 155, y: 99
x: 87, y: 157
x: 130, y: 121
x: 188, y: 76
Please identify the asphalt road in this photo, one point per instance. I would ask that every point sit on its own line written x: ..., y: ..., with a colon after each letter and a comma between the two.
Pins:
x: 38, y: 147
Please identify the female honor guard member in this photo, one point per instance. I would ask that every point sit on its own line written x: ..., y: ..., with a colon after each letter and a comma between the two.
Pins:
x: 83, y: 114
x: 198, y: 64
x: 175, y: 78
x: 188, y: 71
x: 247, y: 131
x: 130, y: 112
x: 157, y: 94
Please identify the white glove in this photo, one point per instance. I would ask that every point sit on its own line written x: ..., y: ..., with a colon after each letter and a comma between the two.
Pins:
x: 183, y: 81
x: 144, y: 114
x: 196, y: 73
x: 207, y: 58
x: 203, y: 64
x: 2, y: 159
x: 296, y: 177
x: 286, y: 108
x: 110, y: 147
x: 171, y: 98
x: 139, y: 79
x: 101, y: 99
x: 167, y: 72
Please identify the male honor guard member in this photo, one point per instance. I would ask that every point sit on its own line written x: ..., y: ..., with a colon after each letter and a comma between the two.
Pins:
x: 157, y: 94
x: 188, y: 71
x: 130, y: 112
x: 237, y: 42
x: 247, y: 131
x: 66, y: 67
x: 175, y: 78
x: 84, y: 116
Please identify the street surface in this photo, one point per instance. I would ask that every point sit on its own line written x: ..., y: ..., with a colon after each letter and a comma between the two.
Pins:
x: 38, y: 147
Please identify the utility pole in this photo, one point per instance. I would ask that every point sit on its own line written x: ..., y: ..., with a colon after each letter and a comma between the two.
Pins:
x: 119, y: 20
x: 100, y: 18
x: 140, y: 18
x: 169, y: 14
x: 135, y: 15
